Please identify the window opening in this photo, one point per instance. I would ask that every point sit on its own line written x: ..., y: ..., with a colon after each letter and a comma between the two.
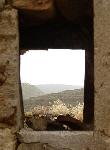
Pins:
x: 53, y: 89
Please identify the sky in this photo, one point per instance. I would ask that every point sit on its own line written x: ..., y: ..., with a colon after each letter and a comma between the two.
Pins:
x: 53, y: 67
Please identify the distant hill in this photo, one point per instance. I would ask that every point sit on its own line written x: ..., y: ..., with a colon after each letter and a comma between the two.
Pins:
x: 55, y: 88
x: 72, y: 97
x: 30, y: 91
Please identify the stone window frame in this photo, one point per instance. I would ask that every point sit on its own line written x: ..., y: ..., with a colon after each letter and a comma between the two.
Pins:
x: 89, y: 63
x: 9, y: 91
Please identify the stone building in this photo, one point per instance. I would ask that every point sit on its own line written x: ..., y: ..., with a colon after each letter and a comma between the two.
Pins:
x: 43, y: 24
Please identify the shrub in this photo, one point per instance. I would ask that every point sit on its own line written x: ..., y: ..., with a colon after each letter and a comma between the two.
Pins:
x: 58, y: 108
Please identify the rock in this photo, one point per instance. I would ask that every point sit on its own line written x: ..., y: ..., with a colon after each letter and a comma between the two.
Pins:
x: 7, y: 111
x: 2, y: 79
x: 71, y: 122
x: 31, y: 146
x: 37, y: 123
x: 58, y: 140
x: 54, y: 126
x: 36, y: 10
x: 10, y: 99
x: 36, y: 146
x: 3, y: 74
x: 7, y: 140
x: 61, y: 123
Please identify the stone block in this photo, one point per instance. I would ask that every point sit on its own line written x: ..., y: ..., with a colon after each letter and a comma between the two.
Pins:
x: 10, y: 111
x: 59, y: 139
x: 32, y: 146
x: 102, y: 65
x: 7, y: 140
x: 38, y: 9
x: 32, y: 5
x: 107, y: 142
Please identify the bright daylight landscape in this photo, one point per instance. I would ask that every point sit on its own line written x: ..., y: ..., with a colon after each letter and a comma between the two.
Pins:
x: 52, y: 88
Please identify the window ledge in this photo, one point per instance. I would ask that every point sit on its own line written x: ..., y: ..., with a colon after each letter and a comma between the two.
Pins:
x: 58, y: 139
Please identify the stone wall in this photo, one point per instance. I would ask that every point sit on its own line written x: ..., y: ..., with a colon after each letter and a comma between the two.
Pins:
x: 58, y: 140
x: 7, y: 140
x: 10, y: 109
x: 101, y: 73
x: 10, y: 101
x: 102, y: 66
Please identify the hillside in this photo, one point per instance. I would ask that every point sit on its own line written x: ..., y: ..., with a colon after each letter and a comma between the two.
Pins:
x: 30, y: 91
x: 72, y: 97
x: 55, y: 88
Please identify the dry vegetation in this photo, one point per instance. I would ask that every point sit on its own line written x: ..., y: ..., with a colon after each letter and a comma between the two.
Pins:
x: 56, y: 109
x: 68, y: 97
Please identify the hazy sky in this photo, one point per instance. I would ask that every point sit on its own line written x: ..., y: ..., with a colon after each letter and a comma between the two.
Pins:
x: 53, y: 67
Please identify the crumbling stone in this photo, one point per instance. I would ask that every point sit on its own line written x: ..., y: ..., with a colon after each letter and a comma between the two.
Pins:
x: 7, y: 112
x: 10, y: 111
x: 3, y: 74
x: 38, y: 9
x: 58, y: 140
x: 37, y: 123
x: 7, y: 140
x: 71, y: 122
x: 31, y: 146
x: 10, y: 107
x: 102, y: 66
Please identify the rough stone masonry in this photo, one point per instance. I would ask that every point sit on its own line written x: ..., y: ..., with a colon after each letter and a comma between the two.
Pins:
x: 10, y: 103
x: 10, y: 114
